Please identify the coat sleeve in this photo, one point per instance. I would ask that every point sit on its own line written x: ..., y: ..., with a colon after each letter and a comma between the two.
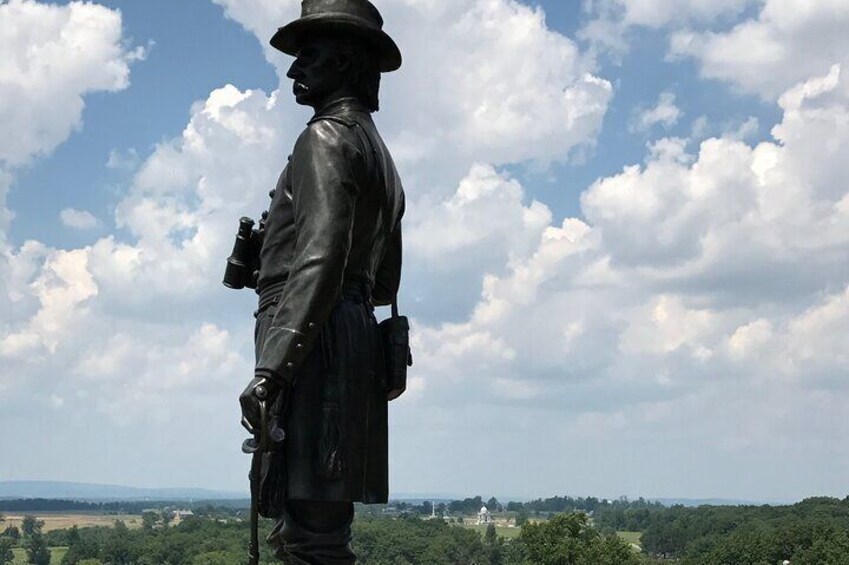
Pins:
x: 325, y: 166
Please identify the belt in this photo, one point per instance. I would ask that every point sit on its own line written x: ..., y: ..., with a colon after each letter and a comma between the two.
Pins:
x: 353, y: 290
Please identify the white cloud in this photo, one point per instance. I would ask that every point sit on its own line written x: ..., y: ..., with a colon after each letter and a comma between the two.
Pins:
x: 786, y: 43
x: 53, y: 56
x: 703, y: 301
x: 665, y: 114
x: 611, y: 21
x: 62, y: 288
x: 478, y: 228
x: 658, y: 13
x: 78, y: 219
x: 123, y: 160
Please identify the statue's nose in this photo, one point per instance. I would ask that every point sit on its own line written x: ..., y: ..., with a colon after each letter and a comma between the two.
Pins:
x: 295, y: 72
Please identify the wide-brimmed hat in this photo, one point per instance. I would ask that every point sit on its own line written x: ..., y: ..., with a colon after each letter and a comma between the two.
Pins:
x: 355, y: 17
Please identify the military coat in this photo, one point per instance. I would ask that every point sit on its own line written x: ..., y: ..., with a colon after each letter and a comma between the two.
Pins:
x: 331, y: 250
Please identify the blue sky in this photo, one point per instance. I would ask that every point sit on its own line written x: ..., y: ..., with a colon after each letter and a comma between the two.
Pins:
x: 626, y: 248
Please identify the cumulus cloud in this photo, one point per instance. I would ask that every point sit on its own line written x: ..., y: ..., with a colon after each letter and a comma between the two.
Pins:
x: 695, y: 279
x: 52, y: 57
x: 78, y: 219
x: 665, y: 114
x: 123, y: 160
x: 611, y: 21
x: 784, y: 44
x: 658, y: 13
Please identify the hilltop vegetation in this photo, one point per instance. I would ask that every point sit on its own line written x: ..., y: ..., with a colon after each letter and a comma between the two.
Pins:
x: 378, y: 541
x: 813, y: 532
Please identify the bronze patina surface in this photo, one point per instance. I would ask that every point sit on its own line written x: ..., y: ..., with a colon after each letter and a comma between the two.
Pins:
x: 326, y: 252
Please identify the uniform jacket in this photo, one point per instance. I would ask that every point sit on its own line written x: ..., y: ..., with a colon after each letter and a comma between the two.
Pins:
x: 326, y: 259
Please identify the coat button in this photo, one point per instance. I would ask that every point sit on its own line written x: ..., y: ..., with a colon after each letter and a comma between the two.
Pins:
x: 265, y: 215
x: 290, y: 365
x: 272, y: 193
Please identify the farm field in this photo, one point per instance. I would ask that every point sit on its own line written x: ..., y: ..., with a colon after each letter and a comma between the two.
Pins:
x: 56, y: 555
x: 61, y: 521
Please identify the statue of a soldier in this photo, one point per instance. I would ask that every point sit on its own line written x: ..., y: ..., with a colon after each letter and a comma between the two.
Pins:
x: 329, y: 250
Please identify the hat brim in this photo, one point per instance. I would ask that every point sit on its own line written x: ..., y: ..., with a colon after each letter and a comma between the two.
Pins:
x: 290, y: 37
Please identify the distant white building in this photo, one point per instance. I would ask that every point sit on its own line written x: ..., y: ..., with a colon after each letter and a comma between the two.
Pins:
x: 484, y: 516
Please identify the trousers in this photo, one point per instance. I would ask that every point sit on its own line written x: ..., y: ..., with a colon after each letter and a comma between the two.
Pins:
x: 312, y: 532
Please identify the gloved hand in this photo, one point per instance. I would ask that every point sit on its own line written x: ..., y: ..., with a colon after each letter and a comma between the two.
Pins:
x: 258, y: 390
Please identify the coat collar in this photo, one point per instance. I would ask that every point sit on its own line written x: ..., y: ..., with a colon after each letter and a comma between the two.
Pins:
x: 339, y: 107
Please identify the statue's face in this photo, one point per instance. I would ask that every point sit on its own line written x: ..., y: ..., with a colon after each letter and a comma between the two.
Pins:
x: 316, y: 73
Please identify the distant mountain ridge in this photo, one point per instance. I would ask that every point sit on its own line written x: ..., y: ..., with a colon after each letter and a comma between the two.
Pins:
x: 98, y: 492
x: 696, y: 502
x: 91, y: 492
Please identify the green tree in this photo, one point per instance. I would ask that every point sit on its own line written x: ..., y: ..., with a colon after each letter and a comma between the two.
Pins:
x: 568, y: 539
x: 82, y: 547
x: 491, y: 536
x: 30, y: 525
x: 12, y: 532
x: 217, y: 558
x: 167, y: 517
x: 6, y: 554
x: 831, y: 549
x: 37, y: 551
x: 149, y: 520
x: 521, y: 518
x: 116, y: 549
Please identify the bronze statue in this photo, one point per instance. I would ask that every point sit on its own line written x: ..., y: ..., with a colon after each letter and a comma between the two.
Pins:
x: 325, y: 253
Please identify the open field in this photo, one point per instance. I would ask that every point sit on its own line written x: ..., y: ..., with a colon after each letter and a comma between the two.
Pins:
x: 61, y: 521
x: 634, y: 538
x: 56, y: 555
x: 503, y: 531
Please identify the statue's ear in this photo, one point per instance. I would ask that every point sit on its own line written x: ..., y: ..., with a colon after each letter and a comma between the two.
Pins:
x: 343, y: 62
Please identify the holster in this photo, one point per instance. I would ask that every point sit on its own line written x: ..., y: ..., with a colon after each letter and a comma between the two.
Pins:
x: 395, y: 333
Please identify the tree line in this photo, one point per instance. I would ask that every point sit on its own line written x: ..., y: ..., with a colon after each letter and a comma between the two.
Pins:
x: 565, y: 539
x: 812, y: 532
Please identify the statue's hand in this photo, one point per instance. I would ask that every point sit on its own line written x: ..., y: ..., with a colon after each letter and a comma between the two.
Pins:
x: 250, y: 400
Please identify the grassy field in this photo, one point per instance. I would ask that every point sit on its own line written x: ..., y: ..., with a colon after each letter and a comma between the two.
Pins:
x: 503, y: 531
x: 56, y: 555
x: 61, y: 521
x: 634, y: 538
